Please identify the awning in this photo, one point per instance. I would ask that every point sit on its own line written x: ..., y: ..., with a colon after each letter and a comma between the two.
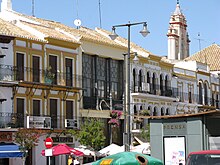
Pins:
x: 10, y: 150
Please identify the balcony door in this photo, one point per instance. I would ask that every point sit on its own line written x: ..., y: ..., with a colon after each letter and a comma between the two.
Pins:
x: 69, y: 109
x: 69, y: 72
x: 20, y: 112
x: 53, y: 112
x: 53, y: 65
x: 36, y: 69
x: 20, y: 66
x: 36, y: 107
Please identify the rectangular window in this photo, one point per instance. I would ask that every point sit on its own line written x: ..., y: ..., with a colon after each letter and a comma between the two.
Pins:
x: 190, y: 93
x: 53, y: 113
x: 53, y: 65
x: 36, y: 69
x: 20, y: 66
x: 36, y: 107
x: 20, y: 112
x: 69, y: 109
x: 69, y: 72
x: 180, y: 92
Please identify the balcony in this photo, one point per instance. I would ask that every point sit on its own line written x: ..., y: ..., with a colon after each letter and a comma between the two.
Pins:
x: 155, y: 89
x: 10, y: 73
x: 18, y: 120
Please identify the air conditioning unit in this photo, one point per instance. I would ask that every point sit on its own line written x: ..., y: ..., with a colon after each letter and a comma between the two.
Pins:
x: 145, y: 87
x: 71, y: 123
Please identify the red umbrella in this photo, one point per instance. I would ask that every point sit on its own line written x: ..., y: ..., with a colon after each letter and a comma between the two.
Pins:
x: 63, y: 149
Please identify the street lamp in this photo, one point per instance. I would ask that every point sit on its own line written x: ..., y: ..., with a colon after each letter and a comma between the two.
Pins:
x: 127, y: 111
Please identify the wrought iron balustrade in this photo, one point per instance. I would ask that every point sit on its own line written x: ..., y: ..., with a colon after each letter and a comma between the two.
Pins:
x: 13, y: 73
x: 155, y: 89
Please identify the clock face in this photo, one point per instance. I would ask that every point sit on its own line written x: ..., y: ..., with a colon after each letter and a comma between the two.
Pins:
x: 77, y: 22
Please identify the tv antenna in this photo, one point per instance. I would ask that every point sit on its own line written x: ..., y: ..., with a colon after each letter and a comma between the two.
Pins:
x: 199, y: 42
x: 33, y: 8
x: 77, y: 21
x: 100, y: 15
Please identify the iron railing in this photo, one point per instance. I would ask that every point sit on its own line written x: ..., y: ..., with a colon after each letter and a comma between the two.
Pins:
x: 13, y: 73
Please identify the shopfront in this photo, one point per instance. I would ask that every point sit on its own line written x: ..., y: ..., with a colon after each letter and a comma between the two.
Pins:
x: 173, y: 138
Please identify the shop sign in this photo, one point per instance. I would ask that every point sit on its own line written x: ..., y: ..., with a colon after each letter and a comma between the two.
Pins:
x: 70, y: 123
x: 62, y: 139
x: 5, y: 136
x: 174, y: 128
x: 38, y: 122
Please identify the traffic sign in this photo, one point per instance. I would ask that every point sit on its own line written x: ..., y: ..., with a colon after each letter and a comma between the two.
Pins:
x: 48, y: 142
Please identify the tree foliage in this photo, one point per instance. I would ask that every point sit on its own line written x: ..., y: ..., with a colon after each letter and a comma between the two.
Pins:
x: 145, y: 133
x: 27, y: 139
x: 91, y: 133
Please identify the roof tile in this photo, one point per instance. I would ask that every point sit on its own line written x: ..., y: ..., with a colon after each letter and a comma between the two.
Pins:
x: 209, y: 55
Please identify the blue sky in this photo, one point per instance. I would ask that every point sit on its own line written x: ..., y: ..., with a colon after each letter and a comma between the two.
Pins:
x: 202, y: 17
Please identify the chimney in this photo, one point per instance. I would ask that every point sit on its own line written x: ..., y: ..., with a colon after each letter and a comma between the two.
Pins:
x: 6, y: 5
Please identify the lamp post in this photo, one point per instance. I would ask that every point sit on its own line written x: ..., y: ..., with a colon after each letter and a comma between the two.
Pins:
x: 127, y: 112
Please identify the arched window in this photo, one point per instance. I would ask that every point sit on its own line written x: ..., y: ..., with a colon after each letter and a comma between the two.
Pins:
x: 155, y: 111
x: 200, y: 93
x: 166, y: 83
x: 141, y: 107
x: 162, y: 111
x: 154, y: 83
x: 161, y: 85
x: 135, y: 109
x: 140, y: 80
x: 167, y: 111
x: 148, y: 77
x: 134, y: 79
x: 206, y: 93
x: 149, y: 109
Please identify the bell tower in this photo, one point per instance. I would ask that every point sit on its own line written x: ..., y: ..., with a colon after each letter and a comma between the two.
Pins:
x: 178, y: 39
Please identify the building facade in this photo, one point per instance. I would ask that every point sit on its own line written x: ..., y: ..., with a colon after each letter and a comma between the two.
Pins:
x: 59, y: 75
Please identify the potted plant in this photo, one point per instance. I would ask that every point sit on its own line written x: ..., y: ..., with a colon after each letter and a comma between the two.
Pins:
x: 145, y: 112
x: 49, y: 75
x: 115, y: 116
x: 138, y: 120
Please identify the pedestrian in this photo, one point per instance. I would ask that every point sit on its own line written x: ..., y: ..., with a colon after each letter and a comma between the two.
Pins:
x: 75, y: 161
x: 70, y: 160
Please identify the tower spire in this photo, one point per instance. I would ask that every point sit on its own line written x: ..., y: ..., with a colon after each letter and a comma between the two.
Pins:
x: 178, y: 39
x: 178, y: 2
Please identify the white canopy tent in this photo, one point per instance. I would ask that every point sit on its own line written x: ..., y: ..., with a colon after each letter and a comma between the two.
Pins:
x: 86, y: 150
x: 111, y: 149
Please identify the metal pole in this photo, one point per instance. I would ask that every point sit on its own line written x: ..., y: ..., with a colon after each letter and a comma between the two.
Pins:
x: 110, y: 97
x: 127, y: 69
x: 127, y: 94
